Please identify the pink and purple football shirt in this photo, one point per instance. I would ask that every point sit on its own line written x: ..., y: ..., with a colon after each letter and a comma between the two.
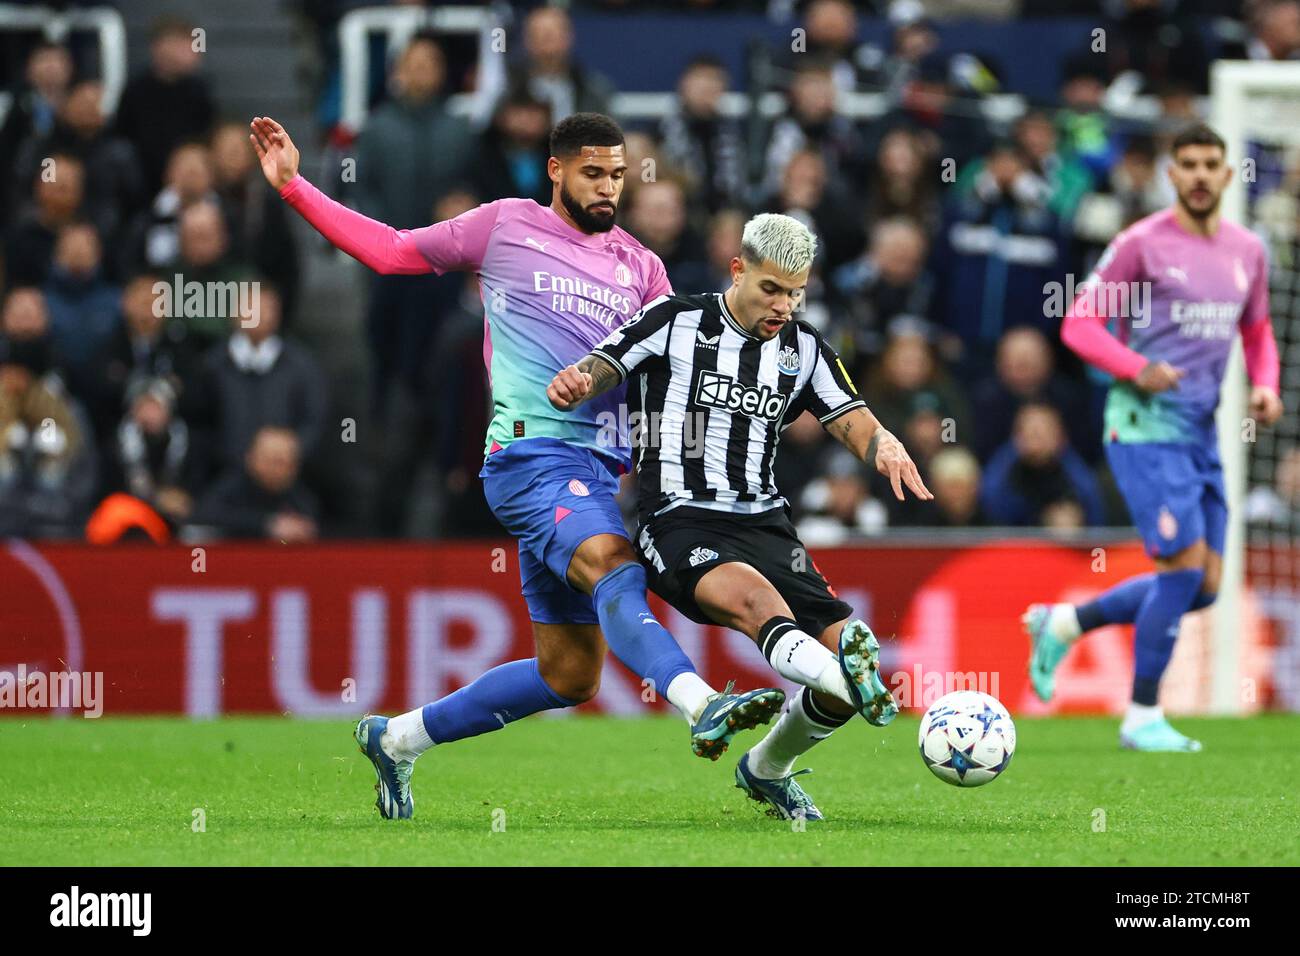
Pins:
x: 550, y: 293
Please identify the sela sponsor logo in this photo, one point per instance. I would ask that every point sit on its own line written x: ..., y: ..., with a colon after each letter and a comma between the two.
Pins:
x: 60, y: 690
x: 722, y: 391
x: 580, y: 297
x: 74, y: 908
x: 702, y: 556
x: 787, y: 361
x: 1205, y: 320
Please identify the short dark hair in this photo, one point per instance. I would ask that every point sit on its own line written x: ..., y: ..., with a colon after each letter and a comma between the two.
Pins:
x: 584, y: 129
x: 1198, y: 134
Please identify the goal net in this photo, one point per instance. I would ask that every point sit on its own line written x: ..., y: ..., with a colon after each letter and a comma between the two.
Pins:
x: 1255, y: 650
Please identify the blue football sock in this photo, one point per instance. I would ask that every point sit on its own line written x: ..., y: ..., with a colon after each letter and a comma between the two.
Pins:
x: 1120, y: 604
x: 1167, y: 599
x: 638, y: 640
x: 503, y: 694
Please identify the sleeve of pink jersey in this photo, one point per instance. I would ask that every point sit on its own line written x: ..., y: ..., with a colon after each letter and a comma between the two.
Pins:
x: 457, y: 243
x: 1257, y: 341
x: 1084, y: 329
x: 658, y: 284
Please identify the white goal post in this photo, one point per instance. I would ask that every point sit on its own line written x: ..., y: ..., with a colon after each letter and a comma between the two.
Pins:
x: 1250, y: 102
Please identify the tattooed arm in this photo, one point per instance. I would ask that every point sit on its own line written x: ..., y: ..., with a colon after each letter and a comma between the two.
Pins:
x: 860, y: 432
x: 591, y: 377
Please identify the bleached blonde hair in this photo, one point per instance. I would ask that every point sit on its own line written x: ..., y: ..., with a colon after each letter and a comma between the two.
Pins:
x: 781, y: 240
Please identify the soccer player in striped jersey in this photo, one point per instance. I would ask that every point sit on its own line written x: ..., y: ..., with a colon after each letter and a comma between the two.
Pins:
x: 1206, y: 281
x: 555, y: 280
x: 715, y: 379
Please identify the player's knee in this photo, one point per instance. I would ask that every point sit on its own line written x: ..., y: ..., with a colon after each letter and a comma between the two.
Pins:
x: 577, y: 687
x: 597, y: 557
x: 757, y: 606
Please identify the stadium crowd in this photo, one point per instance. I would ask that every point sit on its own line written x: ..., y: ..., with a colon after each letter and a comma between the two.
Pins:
x: 941, y: 232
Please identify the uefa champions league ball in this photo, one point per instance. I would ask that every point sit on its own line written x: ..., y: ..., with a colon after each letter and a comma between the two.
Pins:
x: 967, y: 738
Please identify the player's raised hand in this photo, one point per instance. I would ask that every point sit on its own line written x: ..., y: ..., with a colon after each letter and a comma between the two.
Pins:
x: 1158, y: 377
x: 1265, y: 406
x: 569, y: 387
x: 275, y: 150
x: 893, y: 461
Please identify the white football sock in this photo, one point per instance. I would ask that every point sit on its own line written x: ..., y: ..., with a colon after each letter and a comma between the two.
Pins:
x: 406, y: 737
x: 802, y: 658
x: 793, y: 734
x: 689, y: 694
x: 1063, y: 622
x: 1138, y: 715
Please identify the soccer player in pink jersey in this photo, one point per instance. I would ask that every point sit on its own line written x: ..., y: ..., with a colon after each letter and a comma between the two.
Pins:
x: 1179, y: 285
x: 556, y: 280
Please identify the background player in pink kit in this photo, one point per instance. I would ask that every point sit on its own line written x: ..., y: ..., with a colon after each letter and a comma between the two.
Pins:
x: 555, y: 281
x: 1208, y: 280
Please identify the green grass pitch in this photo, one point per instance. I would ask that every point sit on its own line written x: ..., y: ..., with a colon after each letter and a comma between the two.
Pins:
x: 604, y: 791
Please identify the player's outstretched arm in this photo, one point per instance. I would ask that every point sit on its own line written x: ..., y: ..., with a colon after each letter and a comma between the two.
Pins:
x: 591, y: 377
x: 860, y: 431
x: 381, y: 247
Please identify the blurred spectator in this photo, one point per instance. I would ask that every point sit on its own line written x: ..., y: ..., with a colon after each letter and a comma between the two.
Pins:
x: 997, y: 248
x: 888, y: 282
x: 205, y: 263
x: 1134, y: 189
x: 549, y: 71
x: 47, y: 462
x: 902, y: 182
x: 1036, y: 470
x: 82, y: 303
x: 812, y: 124
x: 831, y: 35
x: 1156, y: 41
x: 257, y: 222
x: 33, y: 112
x: 838, y: 504
x: 59, y: 193
x: 1278, y: 506
x: 170, y: 103
x: 1274, y: 31
x: 402, y: 322
x: 151, y: 455
x: 657, y: 218
x: 915, y: 398
x: 155, y: 241
x: 412, y: 150
x: 706, y: 146
x: 1024, y: 374
x: 722, y: 245
x: 948, y: 125
x: 1067, y: 179
x: 954, y: 477
x: 807, y: 194
x: 145, y: 345
x: 262, y: 497
x: 1085, y: 128
x: 513, y: 151
x: 114, y: 187
x: 255, y: 379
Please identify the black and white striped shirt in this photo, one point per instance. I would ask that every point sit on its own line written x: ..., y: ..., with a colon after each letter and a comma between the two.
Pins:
x: 709, y: 401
